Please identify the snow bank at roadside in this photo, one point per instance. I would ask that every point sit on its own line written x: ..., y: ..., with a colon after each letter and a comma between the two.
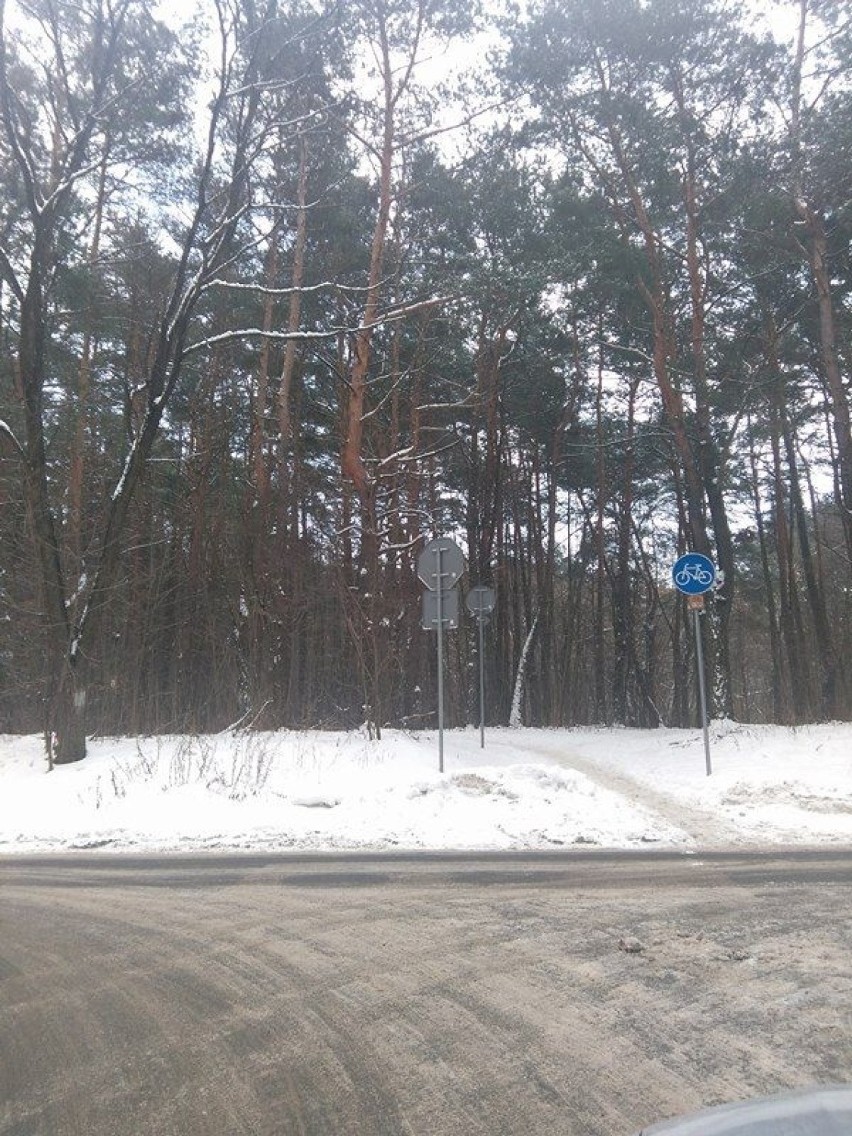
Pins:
x: 315, y: 790
x: 770, y: 784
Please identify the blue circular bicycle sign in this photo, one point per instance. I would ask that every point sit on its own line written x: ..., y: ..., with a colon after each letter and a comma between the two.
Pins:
x: 693, y: 574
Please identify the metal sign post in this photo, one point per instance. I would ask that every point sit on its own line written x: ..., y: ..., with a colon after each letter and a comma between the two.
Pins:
x: 439, y: 566
x: 480, y: 602
x: 439, y: 552
x: 479, y: 624
x: 696, y: 606
x: 693, y: 575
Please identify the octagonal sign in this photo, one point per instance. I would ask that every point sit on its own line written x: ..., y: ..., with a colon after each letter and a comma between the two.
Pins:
x: 443, y: 556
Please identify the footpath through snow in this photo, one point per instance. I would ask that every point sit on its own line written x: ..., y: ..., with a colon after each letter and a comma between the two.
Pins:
x: 610, y: 788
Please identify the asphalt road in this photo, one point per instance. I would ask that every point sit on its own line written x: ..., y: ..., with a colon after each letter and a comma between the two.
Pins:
x: 436, y: 995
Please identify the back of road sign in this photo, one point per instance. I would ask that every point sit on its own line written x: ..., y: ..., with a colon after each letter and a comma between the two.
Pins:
x: 480, y: 601
x: 449, y: 610
x: 444, y: 555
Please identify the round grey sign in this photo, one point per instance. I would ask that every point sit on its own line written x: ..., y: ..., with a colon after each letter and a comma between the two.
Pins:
x: 480, y: 600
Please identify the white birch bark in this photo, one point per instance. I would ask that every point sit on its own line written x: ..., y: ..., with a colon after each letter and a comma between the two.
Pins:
x: 520, y: 677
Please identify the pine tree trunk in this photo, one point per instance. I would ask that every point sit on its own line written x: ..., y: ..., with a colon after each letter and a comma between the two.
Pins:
x: 798, y: 690
x: 815, y: 248
x: 288, y: 456
x: 77, y: 463
x: 601, y: 712
x: 816, y: 600
x: 768, y: 585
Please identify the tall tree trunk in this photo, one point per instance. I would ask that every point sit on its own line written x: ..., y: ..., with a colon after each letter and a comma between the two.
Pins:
x: 786, y: 574
x: 601, y: 713
x: 768, y: 585
x: 516, y: 715
x: 287, y: 457
x: 352, y: 457
x: 708, y: 452
x: 653, y: 291
x: 816, y: 600
x: 815, y: 249
x: 76, y: 473
x: 622, y: 598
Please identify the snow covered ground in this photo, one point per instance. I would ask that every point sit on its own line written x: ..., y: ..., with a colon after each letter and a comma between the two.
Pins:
x: 611, y: 788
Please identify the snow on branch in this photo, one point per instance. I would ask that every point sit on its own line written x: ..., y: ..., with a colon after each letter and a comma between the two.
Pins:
x: 66, y: 184
x: 409, y: 309
x: 463, y: 404
x: 260, y: 333
x: 400, y: 456
x: 260, y: 290
x: 6, y: 431
x: 312, y: 336
x: 409, y: 456
x: 10, y: 276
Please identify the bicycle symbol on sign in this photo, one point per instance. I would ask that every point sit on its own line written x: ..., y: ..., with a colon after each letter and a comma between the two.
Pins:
x: 693, y: 573
x: 696, y: 573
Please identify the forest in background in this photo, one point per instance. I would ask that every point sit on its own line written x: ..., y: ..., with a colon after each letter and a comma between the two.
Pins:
x: 290, y: 289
